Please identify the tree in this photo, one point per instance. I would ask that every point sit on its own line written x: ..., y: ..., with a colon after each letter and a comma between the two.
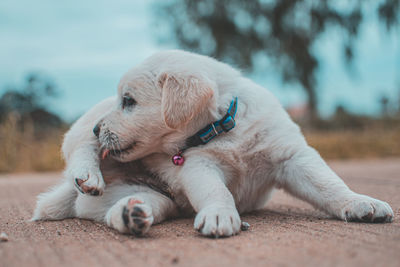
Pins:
x: 284, y: 30
x: 29, y: 102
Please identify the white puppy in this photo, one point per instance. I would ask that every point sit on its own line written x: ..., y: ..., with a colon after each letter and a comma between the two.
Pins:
x: 161, y: 106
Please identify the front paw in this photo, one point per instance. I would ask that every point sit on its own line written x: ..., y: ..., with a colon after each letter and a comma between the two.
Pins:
x: 88, y: 181
x: 217, y: 221
x: 367, y: 209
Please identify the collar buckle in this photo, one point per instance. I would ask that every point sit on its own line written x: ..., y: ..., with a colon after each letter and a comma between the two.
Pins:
x: 215, y: 130
x: 228, y: 123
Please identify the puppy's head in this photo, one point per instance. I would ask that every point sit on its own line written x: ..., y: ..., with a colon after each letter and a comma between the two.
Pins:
x: 152, y: 109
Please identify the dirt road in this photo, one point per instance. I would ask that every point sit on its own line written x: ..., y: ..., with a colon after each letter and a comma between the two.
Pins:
x: 287, y: 232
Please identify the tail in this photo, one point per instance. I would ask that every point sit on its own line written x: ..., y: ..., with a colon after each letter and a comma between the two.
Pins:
x: 56, y: 204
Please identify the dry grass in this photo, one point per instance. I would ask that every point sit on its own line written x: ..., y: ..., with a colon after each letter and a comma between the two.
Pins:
x: 375, y: 143
x: 21, y: 152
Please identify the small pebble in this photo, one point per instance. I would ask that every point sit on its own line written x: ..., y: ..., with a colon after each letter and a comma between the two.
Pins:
x: 3, y: 237
x: 175, y: 260
x: 58, y: 232
x: 245, y: 226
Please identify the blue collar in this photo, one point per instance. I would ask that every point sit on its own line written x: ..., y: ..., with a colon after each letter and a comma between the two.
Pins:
x: 214, y: 129
x: 206, y: 134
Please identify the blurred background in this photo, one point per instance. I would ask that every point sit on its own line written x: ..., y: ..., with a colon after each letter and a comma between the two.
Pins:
x: 334, y: 65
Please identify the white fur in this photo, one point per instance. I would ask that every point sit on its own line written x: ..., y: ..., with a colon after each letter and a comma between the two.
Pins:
x: 177, y: 94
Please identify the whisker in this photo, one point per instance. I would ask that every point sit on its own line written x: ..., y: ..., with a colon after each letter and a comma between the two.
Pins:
x: 113, y: 142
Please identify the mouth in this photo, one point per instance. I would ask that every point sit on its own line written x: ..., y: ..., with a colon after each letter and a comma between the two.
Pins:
x: 116, y: 152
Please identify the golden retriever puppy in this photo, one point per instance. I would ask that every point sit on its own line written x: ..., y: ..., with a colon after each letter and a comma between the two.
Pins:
x: 219, y: 141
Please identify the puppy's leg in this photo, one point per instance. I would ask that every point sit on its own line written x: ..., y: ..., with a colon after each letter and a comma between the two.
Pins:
x: 83, y: 170
x: 56, y: 204
x: 127, y: 208
x: 204, y: 185
x: 308, y: 177
x: 81, y: 150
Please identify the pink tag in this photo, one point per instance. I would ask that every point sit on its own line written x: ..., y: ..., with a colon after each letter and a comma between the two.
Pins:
x: 178, y: 159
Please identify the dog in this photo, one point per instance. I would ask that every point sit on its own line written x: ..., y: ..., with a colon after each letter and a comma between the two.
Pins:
x: 220, y: 142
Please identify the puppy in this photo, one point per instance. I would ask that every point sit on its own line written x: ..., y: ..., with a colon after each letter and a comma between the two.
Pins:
x: 219, y: 141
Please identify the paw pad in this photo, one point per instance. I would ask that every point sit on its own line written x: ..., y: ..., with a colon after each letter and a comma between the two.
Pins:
x: 136, y: 217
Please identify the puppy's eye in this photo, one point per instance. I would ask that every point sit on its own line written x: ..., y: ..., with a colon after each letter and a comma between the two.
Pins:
x: 128, y: 101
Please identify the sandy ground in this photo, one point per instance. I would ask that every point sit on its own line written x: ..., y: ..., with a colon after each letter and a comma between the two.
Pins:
x: 287, y: 232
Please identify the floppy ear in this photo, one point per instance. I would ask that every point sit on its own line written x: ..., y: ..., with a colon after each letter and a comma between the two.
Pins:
x: 183, y: 97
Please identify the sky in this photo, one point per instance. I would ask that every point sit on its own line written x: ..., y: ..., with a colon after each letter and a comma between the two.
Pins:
x: 86, y: 46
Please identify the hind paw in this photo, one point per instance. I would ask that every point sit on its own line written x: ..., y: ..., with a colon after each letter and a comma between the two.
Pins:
x: 130, y: 215
x: 137, y: 217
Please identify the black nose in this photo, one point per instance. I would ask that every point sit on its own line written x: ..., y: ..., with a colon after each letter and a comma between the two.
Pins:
x: 96, y: 130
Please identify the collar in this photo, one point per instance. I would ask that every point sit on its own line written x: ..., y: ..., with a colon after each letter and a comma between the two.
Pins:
x: 209, y: 132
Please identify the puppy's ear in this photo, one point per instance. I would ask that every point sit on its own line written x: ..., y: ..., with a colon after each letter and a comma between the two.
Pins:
x: 183, y: 97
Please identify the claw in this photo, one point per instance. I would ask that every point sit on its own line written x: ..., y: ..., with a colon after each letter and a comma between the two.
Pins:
x: 78, y: 183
